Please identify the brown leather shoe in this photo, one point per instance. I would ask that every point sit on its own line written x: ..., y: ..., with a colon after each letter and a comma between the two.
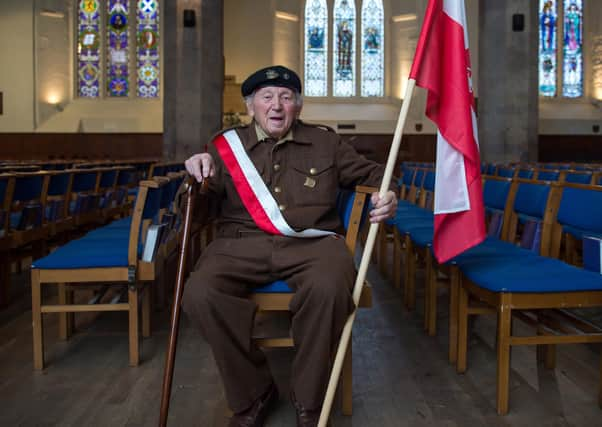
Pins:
x: 305, y: 417
x: 256, y: 415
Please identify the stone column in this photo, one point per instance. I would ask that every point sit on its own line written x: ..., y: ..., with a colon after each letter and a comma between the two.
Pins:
x: 508, y: 81
x: 193, y: 76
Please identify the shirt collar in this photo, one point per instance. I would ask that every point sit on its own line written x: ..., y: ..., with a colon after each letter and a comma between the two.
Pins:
x: 262, y: 136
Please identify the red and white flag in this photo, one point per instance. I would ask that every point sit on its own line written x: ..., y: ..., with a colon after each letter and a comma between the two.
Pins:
x: 442, y: 66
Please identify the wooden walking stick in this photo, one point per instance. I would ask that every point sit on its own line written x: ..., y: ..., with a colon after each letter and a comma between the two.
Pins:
x: 175, y: 311
x: 363, y: 269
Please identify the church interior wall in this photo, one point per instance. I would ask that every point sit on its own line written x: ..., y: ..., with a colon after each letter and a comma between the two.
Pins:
x: 37, y: 77
x: 17, y: 69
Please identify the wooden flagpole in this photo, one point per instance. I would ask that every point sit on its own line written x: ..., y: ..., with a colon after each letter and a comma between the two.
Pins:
x: 363, y: 269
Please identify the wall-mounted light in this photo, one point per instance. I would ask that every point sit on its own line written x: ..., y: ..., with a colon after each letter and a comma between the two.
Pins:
x: 287, y: 16
x: 404, y: 18
x: 55, y: 100
x: 52, y: 14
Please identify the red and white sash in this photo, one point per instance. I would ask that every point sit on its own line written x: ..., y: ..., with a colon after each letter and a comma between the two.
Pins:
x: 253, y: 192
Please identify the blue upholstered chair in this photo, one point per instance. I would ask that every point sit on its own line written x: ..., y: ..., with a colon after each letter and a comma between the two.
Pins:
x: 276, y: 296
x: 579, y: 214
x: 514, y: 281
x: 107, y: 256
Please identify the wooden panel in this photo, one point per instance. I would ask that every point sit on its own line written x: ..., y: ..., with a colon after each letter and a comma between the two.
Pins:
x: 48, y: 146
x: 417, y: 148
x: 570, y: 148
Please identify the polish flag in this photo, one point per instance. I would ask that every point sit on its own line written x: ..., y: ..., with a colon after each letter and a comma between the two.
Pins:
x: 442, y: 66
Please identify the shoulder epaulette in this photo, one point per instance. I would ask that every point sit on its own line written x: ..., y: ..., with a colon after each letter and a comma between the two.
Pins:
x: 318, y: 125
x: 224, y: 130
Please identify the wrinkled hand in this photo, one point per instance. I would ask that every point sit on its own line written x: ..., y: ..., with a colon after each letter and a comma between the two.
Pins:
x: 200, y: 166
x: 384, y: 207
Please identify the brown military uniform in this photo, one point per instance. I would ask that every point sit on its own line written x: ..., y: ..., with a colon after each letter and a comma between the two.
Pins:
x: 303, y: 173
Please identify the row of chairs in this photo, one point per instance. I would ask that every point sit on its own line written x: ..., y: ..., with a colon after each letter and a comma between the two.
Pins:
x: 38, y: 208
x: 507, y: 278
x: 122, y: 257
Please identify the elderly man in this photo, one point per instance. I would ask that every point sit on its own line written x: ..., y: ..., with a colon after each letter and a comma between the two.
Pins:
x: 276, y: 181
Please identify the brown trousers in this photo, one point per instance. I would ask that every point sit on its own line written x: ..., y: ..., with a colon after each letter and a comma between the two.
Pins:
x: 322, y: 273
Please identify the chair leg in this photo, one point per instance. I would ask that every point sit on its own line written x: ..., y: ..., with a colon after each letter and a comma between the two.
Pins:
x: 396, y: 258
x: 430, y: 295
x: 347, y: 383
x: 503, y: 353
x: 133, y: 325
x: 454, y: 286
x: 408, y: 284
x: 146, y: 311
x: 600, y: 384
x: 5, y: 268
x: 64, y: 332
x: 462, y: 324
x: 546, y: 353
x: 36, y: 314
x: 382, y: 250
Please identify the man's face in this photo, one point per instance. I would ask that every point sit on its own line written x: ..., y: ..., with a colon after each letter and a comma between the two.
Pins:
x: 274, y: 109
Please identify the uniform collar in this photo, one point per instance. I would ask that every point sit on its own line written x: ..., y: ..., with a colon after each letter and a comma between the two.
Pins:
x: 255, y: 135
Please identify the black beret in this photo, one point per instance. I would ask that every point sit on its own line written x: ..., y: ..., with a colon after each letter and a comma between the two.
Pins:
x: 276, y: 75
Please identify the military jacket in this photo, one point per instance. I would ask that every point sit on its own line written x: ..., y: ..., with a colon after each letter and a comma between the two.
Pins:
x: 303, y: 174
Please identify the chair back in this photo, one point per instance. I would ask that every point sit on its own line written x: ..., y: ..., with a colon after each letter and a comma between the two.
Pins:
x: 547, y: 175
x: 59, y: 195
x: 353, y: 209
x: 581, y: 177
x: 579, y: 214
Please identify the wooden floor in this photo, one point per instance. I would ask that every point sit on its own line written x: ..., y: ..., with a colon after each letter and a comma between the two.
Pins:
x: 401, y: 376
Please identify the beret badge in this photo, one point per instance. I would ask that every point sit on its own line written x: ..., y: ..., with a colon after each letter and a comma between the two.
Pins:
x: 271, y: 74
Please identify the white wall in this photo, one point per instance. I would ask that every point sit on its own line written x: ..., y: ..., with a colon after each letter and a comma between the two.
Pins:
x: 17, y: 65
x: 32, y: 82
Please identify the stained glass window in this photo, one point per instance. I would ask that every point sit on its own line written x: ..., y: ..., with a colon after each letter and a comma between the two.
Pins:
x: 572, y: 62
x: 316, y: 42
x: 147, y: 26
x: 88, y: 48
x: 343, y: 57
x: 120, y: 54
x: 117, y: 42
x: 547, y: 48
x: 372, y: 48
x: 561, y: 42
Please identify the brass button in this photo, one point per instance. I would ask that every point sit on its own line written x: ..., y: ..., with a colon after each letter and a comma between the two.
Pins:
x: 276, y: 167
x: 277, y: 190
x: 282, y: 207
x: 313, y: 171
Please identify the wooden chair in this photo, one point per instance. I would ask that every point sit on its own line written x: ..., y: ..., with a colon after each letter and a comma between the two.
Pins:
x: 517, y: 285
x: 110, y: 255
x: 277, y: 296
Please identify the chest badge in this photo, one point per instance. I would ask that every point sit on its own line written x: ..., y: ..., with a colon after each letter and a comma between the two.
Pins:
x: 309, y: 182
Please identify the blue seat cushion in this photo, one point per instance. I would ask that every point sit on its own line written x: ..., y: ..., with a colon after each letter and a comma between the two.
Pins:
x: 78, y: 254
x: 533, y: 274
x: 278, y: 286
x: 407, y: 225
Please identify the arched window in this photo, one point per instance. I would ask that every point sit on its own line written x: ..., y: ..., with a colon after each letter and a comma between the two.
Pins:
x: 111, y: 44
x: 316, y: 53
x: 561, y: 35
x: 372, y: 48
x: 356, y: 39
x: 343, y: 58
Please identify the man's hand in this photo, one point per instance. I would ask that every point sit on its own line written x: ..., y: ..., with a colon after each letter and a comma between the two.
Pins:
x: 383, y: 208
x: 200, y: 166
